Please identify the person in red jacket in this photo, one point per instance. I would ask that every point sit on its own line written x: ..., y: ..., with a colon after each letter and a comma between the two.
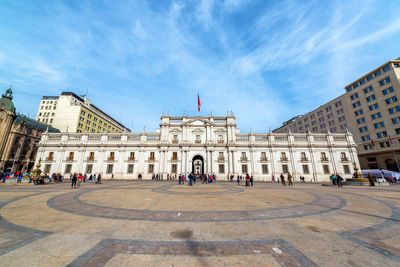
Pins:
x: 80, y: 178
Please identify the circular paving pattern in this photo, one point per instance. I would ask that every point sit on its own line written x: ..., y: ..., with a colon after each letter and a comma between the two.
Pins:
x: 318, y: 203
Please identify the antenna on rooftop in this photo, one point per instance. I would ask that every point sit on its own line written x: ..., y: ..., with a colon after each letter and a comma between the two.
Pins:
x: 86, y: 93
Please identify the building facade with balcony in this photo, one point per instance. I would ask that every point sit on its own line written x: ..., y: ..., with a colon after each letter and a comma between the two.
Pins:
x: 200, y: 145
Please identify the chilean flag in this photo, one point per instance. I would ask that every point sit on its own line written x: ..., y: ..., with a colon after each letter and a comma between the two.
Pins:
x: 198, y: 102
x: 390, y: 139
x: 372, y: 143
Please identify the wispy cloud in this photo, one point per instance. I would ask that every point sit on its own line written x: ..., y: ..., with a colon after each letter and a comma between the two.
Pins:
x: 266, y: 61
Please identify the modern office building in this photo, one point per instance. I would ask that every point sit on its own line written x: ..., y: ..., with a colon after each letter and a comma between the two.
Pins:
x: 199, y: 145
x: 71, y: 113
x: 329, y: 117
x: 375, y: 116
x: 370, y: 110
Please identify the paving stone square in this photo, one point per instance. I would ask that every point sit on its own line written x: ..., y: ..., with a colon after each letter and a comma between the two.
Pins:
x: 161, y: 223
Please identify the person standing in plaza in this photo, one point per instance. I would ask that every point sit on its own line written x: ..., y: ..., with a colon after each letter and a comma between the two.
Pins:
x: 84, y: 177
x: 238, y: 180
x: 80, y: 178
x: 283, y: 180
x: 112, y: 176
x: 289, y: 177
x: 74, y: 178
x: 251, y: 180
x: 339, y: 180
x: 90, y: 178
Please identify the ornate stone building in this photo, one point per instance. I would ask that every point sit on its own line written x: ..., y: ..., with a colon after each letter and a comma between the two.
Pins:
x: 19, y: 136
x: 200, y: 145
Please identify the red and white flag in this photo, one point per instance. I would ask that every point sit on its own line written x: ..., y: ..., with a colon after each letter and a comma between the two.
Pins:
x: 198, y: 102
x: 372, y: 143
x: 390, y: 140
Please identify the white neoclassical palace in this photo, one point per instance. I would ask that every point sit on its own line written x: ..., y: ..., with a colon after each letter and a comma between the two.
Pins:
x: 200, y: 145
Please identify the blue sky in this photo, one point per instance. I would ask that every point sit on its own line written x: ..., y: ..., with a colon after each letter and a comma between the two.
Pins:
x: 264, y: 60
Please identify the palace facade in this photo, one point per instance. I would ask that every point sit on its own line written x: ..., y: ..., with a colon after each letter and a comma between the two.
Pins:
x: 200, y: 145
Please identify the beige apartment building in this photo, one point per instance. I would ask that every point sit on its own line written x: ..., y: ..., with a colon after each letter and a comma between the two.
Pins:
x: 369, y: 109
x: 71, y: 113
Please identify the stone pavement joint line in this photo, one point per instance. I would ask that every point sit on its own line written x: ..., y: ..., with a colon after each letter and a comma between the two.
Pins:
x: 322, y: 203
x: 108, y: 248
x: 378, y: 232
x: 15, y: 236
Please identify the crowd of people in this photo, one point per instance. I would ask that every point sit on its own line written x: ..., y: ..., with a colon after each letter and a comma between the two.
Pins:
x: 247, y: 178
x: 77, y: 179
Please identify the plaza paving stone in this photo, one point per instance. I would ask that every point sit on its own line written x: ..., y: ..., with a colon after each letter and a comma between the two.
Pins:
x: 149, y: 223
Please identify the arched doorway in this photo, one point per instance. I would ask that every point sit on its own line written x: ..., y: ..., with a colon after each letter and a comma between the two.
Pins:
x: 198, y: 165
x: 391, y: 165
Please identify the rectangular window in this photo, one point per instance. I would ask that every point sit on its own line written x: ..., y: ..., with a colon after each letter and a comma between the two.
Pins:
x: 323, y: 156
x: 346, y: 169
x: 91, y: 156
x: 47, y: 168
x: 326, y: 168
x: 130, y: 169
x: 151, y: 156
x: 68, y: 168
x: 303, y: 156
x: 387, y: 80
x: 174, y: 155
x: 244, y: 158
x: 221, y: 168
x: 378, y: 73
x: 370, y: 77
x: 174, y: 168
x: 283, y: 156
x: 244, y: 168
x: 132, y: 156
x: 110, y: 168
x: 50, y: 157
x: 71, y: 156
x: 285, y: 168
x: 89, y: 168
x: 175, y: 139
x: 111, y: 157
x: 151, y: 168
x: 263, y: 156
x: 306, y: 169
x: 385, y: 69
x: 264, y: 168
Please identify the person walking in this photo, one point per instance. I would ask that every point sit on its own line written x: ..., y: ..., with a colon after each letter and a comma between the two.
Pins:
x: 238, y: 180
x: 84, y: 177
x: 283, y: 180
x: 74, y: 178
x: 289, y: 177
x: 90, y: 178
x: 339, y: 180
x: 99, y: 179
x: 80, y: 178
x: 251, y: 180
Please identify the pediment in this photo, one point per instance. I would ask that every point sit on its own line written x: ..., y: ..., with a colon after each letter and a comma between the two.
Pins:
x: 197, y: 122
x: 175, y: 130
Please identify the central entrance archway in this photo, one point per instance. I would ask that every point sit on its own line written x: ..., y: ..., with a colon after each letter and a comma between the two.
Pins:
x: 198, y: 165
